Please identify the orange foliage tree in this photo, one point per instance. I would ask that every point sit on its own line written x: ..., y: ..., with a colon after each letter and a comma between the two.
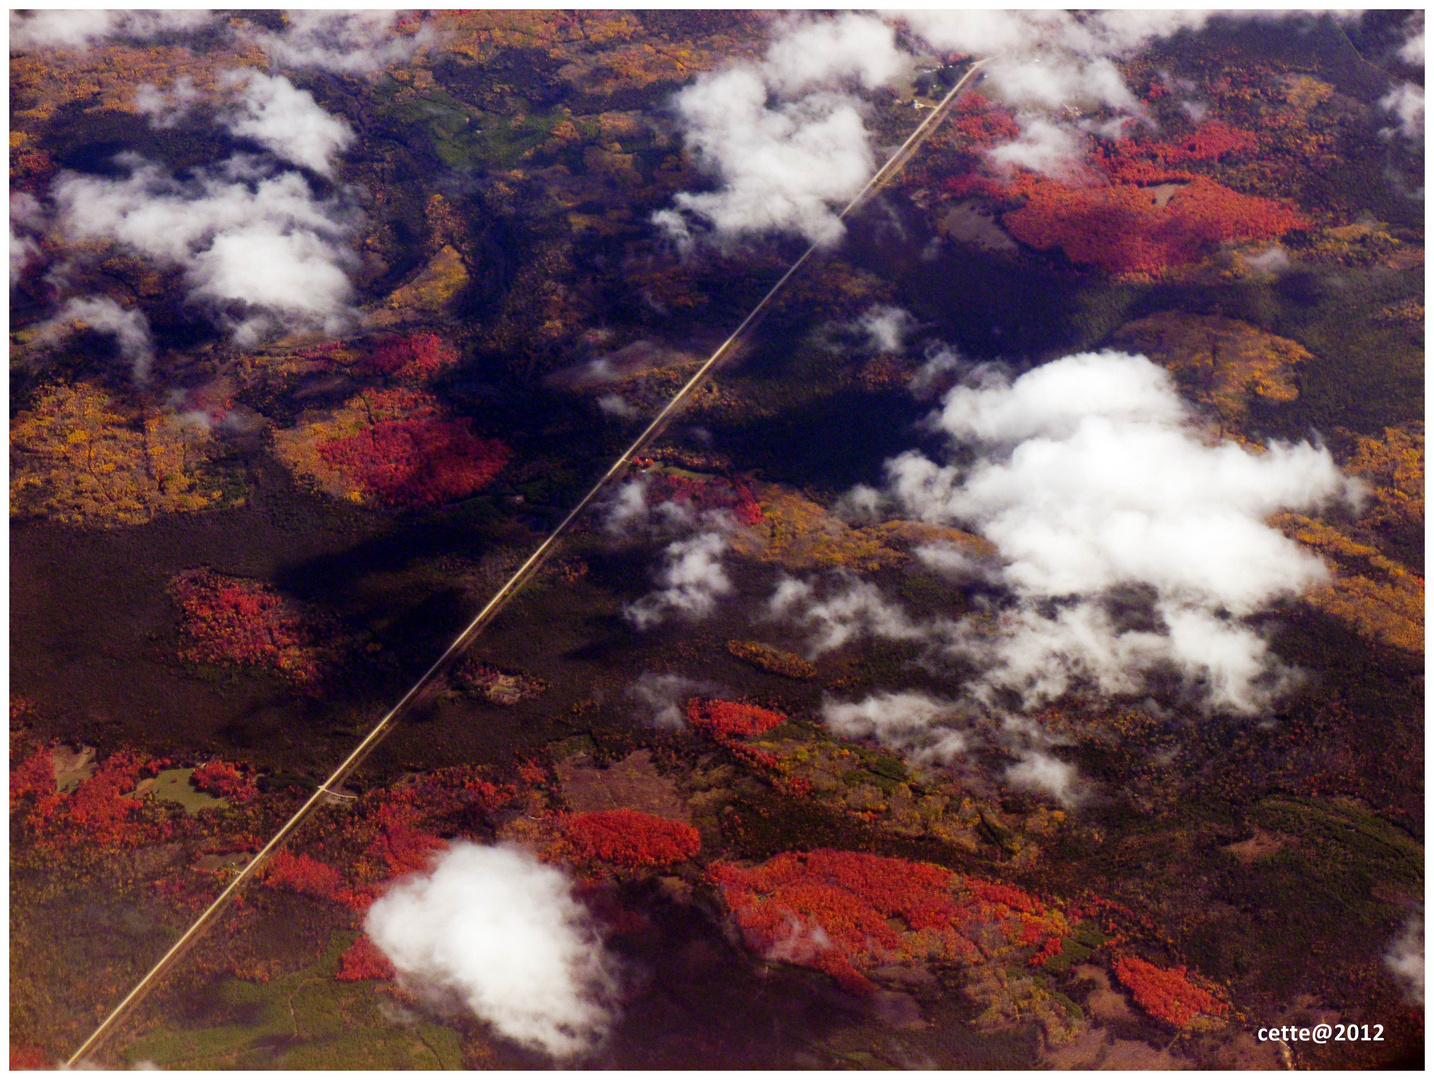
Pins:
x: 1167, y: 994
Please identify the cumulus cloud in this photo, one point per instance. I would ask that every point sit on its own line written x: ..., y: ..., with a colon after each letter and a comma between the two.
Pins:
x: 851, y: 611
x: 689, y: 583
x: 936, y: 371
x: 1043, y: 146
x: 930, y: 730
x: 347, y: 42
x: 1412, y: 51
x: 1040, y: 772
x: 280, y: 117
x: 1406, y: 102
x: 1406, y: 958
x: 616, y: 405
x: 504, y: 934
x: 128, y: 327
x: 783, y: 138
x: 1270, y: 261
x: 629, y: 512
x: 27, y: 219
x: 166, y: 108
x: 886, y: 327
x: 1093, y: 481
x: 257, y: 248
x: 661, y: 697
x: 917, y: 724
x: 1132, y: 558
x: 81, y: 29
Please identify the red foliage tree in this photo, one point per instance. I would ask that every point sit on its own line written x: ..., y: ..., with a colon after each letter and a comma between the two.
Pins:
x: 363, y: 960
x: 976, y: 123
x: 33, y: 777
x: 417, y: 357
x: 715, y: 493
x: 417, y: 457
x: 831, y: 910
x: 845, y: 913
x: 1120, y: 229
x: 405, y: 849
x: 226, y: 620
x: 630, y: 838
x: 1167, y: 995
x: 1151, y: 161
x: 302, y: 874
x: 227, y: 781
x: 24, y: 1058
x: 724, y: 720
x: 100, y: 812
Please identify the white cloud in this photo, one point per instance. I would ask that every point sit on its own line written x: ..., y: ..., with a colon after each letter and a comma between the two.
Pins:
x: 129, y: 328
x: 661, y: 697
x: 853, y: 610
x: 886, y: 327
x: 917, y: 724
x: 1091, y: 478
x: 502, y: 932
x: 284, y: 119
x: 1043, y: 146
x: 28, y: 216
x: 784, y: 141
x: 166, y: 108
x: 617, y: 406
x: 690, y: 582
x: 1270, y: 261
x: 1095, y: 476
x: 1412, y: 51
x: 935, y: 372
x: 1131, y: 554
x: 629, y: 513
x: 1406, y: 101
x: 1049, y: 775
x: 81, y: 29
x: 1406, y: 958
x: 811, y: 53
x: 347, y: 42
x: 780, y: 168
x: 256, y: 247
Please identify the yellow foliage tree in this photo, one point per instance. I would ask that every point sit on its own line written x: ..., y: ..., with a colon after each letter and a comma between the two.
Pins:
x: 1223, y: 364
x: 1394, y: 466
x: 78, y: 459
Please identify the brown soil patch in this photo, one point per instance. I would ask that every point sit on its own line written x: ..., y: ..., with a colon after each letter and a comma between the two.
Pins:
x: 1260, y: 846
x: 1128, y: 1054
x: 73, y: 767
x: 1104, y: 1003
x: 632, y: 784
x: 236, y: 860
x: 1082, y: 1052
